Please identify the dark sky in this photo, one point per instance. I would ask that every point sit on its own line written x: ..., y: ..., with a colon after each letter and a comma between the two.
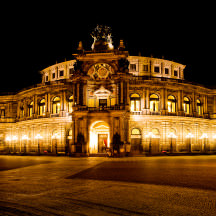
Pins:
x: 36, y: 36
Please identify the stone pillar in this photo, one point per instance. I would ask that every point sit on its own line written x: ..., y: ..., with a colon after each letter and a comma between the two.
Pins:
x: 35, y: 105
x: 122, y: 92
x: 85, y: 94
x: 77, y: 90
x: 147, y: 99
x: 162, y: 69
x: 163, y: 101
x: 116, y: 93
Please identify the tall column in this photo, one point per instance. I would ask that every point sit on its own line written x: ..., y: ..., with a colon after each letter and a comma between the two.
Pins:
x: 122, y: 92
x: 163, y: 100
x: 147, y: 99
x: 35, y: 105
x: 144, y: 99
x: 116, y: 93
x: 84, y: 94
x: 77, y: 90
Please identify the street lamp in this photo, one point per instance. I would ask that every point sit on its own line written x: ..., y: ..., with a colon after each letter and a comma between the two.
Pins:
x: 189, y: 136
x: 38, y: 137
x: 55, y: 137
x: 171, y: 135
x: 150, y: 135
x: 8, y: 139
x: 14, y: 138
x: 24, y: 138
x: 204, y: 137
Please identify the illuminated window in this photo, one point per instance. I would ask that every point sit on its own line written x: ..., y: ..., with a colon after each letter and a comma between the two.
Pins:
x: 186, y: 105
x: 135, y: 131
x: 132, y: 67
x: 154, y: 103
x: 171, y: 104
x: 70, y: 104
x: 2, y: 113
x: 199, y: 107
x: 175, y: 73
x: 56, y: 105
x: 22, y: 111
x: 41, y: 106
x: 135, y: 102
x: 145, y: 67
x: 30, y: 109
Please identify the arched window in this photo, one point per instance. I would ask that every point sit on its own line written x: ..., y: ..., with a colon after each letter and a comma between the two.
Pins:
x: 22, y: 111
x: 30, y: 109
x: 186, y: 105
x: 135, y: 102
x: 70, y: 104
x: 135, y: 131
x: 56, y: 105
x: 171, y: 104
x: 199, y: 107
x: 154, y: 103
x: 41, y: 107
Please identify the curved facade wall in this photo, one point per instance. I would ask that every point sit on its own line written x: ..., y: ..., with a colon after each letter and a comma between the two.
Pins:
x: 109, y: 100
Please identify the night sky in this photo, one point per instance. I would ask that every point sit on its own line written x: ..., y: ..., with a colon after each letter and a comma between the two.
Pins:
x: 37, y: 36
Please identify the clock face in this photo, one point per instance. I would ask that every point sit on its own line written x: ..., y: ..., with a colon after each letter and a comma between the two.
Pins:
x: 100, y: 71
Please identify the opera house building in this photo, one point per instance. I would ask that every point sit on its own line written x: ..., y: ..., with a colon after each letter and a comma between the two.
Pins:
x: 106, y: 100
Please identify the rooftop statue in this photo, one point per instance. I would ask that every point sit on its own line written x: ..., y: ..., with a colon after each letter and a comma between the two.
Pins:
x: 102, y: 38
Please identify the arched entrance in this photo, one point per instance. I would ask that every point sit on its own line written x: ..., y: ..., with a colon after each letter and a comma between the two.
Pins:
x: 99, y: 137
x: 136, y: 141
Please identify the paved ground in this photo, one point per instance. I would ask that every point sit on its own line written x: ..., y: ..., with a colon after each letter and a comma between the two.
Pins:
x: 184, y: 185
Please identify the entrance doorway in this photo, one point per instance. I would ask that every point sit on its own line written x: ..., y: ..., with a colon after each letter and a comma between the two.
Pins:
x: 99, y: 137
x: 102, y: 143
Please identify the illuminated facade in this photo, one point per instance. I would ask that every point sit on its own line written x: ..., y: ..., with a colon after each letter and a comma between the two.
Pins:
x: 105, y: 97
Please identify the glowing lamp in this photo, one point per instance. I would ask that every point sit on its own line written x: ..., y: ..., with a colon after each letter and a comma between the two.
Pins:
x: 150, y: 134
x: 189, y: 135
x: 204, y: 135
x: 8, y: 138
x: 38, y: 136
x: 172, y: 135
x: 56, y: 136
x: 14, y: 138
x: 25, y: 137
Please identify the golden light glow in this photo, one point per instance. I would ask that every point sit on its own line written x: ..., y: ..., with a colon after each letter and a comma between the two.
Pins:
x: 172, y: 135
x: 189, y: 135
x: 14, y: 138
x: 204, y: 135
x: 56, y: 136
x: 150, y: 135
x: 99, y: 127
x: 8, y: 138
x: 38, y: 136
x: 25, y: 137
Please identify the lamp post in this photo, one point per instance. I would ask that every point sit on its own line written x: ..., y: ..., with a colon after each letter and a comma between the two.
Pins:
x: 55, y: 137
x: 25, y: 138
x: 171, y: 135
x: 204, y: 137
x: 38, y: 137
x: 213, y: 146
x: 189, y: 136
x: 14, y: 138
x: 8, y: 139
x: 150, y: 135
